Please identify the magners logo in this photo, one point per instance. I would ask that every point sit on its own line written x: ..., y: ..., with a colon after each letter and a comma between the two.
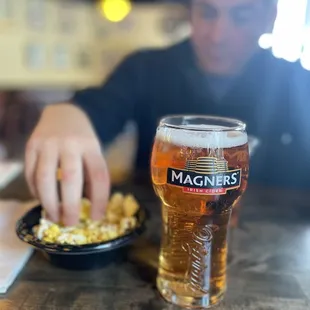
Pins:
x: 205, y: 175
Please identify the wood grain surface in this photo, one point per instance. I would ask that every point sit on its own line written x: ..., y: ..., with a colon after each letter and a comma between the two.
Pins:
x: 269, y: 270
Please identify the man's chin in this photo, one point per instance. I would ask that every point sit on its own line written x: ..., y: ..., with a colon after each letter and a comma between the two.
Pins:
x: 220, y: 70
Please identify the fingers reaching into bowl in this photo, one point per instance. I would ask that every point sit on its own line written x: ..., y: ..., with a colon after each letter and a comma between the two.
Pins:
x: 120, y: 218
x: 69, y: 143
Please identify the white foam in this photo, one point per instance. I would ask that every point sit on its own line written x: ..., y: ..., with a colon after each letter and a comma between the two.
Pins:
x: 202, y: 139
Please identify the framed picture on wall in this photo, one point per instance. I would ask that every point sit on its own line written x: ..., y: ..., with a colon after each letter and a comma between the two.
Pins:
x: 61, y: 57
x: 36, y: 14
x: 66, y: 17
x: 102, y: 28
x: 6, y: 10
x: 101, y: 31
x: 83, y: 59
x: 35, y: 56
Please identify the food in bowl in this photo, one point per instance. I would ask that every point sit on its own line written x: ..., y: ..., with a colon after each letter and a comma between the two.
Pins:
x: 119, y: 219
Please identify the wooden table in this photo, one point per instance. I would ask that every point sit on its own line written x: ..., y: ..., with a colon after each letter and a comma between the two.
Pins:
x: 270, y: 268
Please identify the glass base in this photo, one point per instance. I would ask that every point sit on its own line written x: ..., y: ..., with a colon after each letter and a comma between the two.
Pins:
x: 178, y: 293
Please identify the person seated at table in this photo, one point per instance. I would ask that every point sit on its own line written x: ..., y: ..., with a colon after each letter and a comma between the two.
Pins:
x: 219, y: 70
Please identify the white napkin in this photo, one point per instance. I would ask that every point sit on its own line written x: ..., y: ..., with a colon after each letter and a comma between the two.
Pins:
x: 9, y: 171
x: 14, y: 254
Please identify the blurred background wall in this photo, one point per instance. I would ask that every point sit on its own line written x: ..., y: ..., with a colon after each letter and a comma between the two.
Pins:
x: 57, y: 43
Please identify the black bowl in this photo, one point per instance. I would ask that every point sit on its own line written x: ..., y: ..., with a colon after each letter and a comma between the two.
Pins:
x: 78, y: 257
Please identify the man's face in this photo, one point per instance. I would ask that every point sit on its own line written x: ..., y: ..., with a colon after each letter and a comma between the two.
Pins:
x: 225, y: 33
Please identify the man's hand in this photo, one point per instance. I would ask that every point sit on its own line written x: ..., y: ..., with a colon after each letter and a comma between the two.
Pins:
x: 64, y: 138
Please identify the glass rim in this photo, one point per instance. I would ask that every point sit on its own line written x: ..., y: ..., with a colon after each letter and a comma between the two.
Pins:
x: 236, y: 125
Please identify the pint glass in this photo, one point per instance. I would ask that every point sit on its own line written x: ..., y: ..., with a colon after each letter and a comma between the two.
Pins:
x: 199, y: 171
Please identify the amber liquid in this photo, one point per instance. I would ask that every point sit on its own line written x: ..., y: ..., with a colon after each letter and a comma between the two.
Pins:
x: 193, y: 256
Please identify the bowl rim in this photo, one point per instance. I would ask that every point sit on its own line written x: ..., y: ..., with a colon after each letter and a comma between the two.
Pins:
x: 25, y: 234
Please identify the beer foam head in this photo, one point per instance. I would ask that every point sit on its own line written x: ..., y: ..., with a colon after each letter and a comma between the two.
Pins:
x: 213, y: 137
